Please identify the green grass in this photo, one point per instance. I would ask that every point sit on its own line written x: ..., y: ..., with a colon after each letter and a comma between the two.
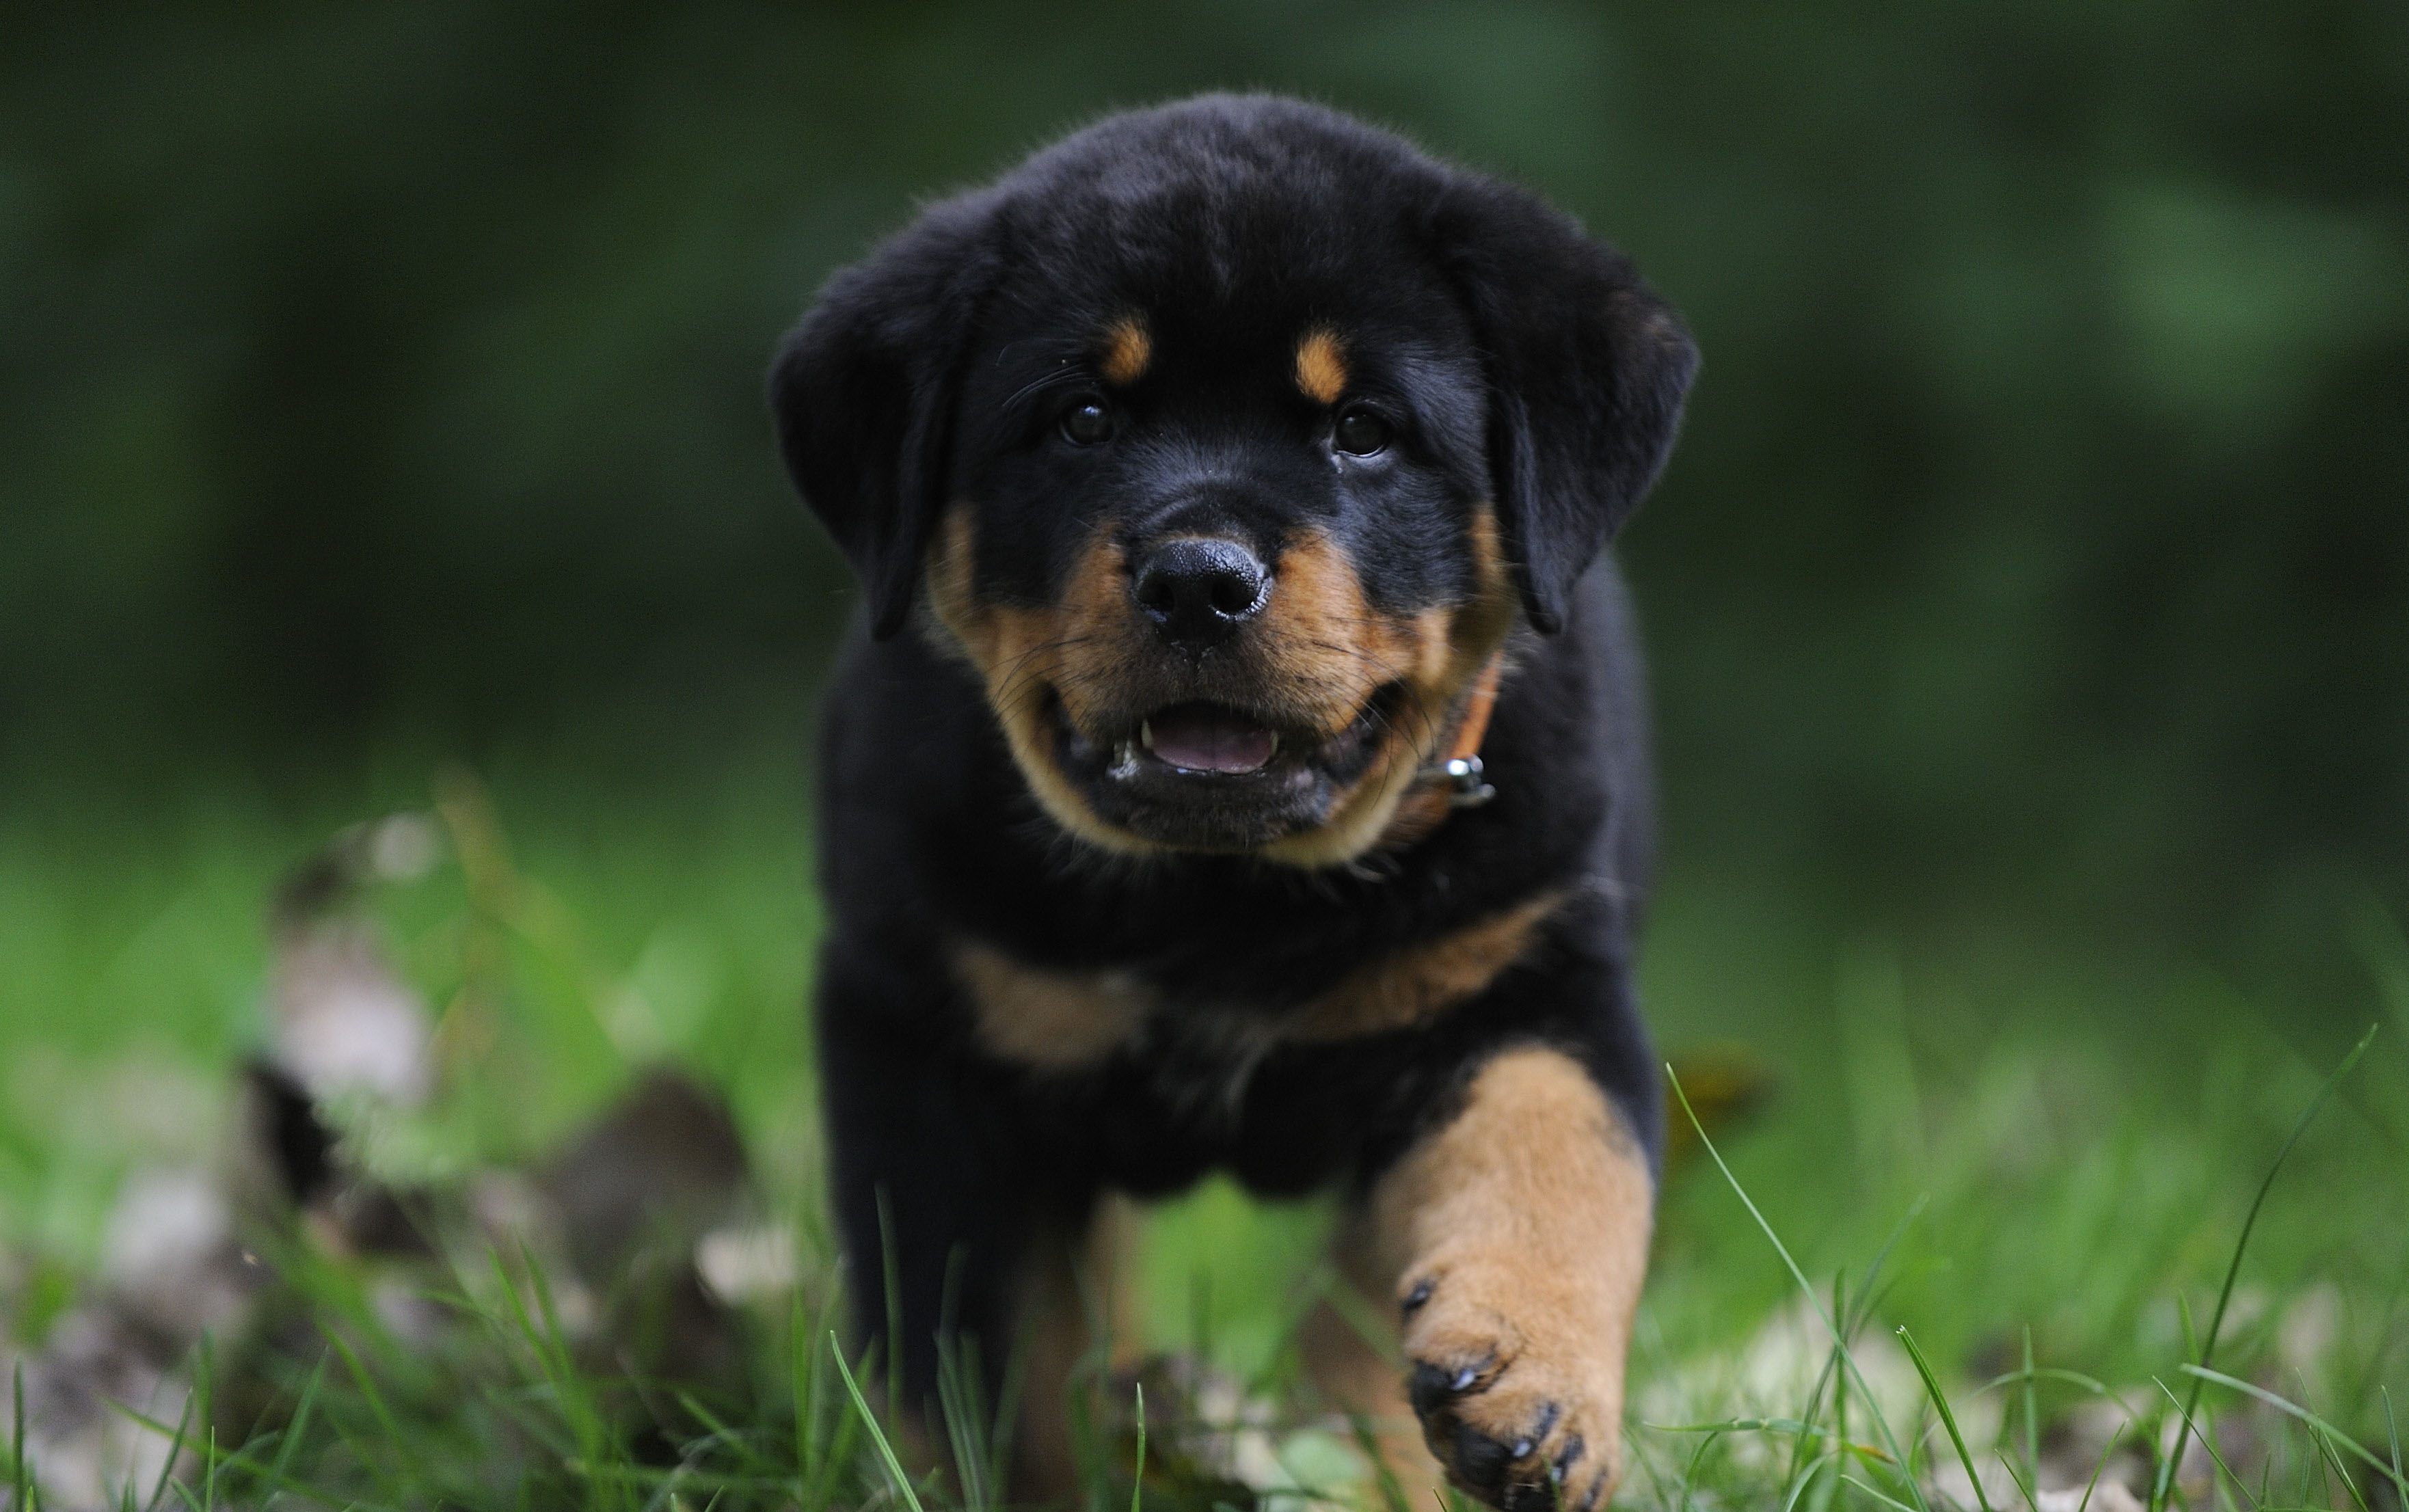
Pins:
x: 2014, y: 1181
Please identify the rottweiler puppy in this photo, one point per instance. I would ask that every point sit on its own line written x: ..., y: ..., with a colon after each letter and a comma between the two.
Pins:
x: 1240, y: 765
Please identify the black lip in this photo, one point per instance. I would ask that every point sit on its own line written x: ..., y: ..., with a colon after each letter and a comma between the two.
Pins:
x: 1132, y: 789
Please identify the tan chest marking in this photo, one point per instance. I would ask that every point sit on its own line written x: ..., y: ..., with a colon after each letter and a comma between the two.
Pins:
x: 1067, y: 1021
x: 1419, y: 983
x: 1050, y: 1020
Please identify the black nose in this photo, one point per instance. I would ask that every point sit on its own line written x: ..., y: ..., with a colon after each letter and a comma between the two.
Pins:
x: 1198, y: 591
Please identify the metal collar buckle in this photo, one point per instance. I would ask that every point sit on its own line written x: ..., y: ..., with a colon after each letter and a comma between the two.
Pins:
x: 1463, y: 780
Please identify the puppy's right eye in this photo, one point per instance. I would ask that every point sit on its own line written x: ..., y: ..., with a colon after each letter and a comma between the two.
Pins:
x: 1087, y: 422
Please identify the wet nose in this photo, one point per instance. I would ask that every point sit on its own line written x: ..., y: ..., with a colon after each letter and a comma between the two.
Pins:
x: 1199, y: 590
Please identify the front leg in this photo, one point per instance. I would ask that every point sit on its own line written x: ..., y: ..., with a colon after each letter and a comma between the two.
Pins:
x: 991, y: 1233
x: 1518, y: 1235
x: 932, y: 1178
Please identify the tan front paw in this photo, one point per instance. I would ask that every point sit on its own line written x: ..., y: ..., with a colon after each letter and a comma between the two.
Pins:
x: 1520, y: 1400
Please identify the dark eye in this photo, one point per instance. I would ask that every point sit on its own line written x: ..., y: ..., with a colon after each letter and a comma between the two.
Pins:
x: 1362, y: 433
x: 1087, y: 422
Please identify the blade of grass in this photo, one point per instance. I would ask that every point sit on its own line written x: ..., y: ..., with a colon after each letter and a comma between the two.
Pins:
x: 2208, y: 1442
x: 20, y: 1475
x: 1008, y: 1408
x: 747, y: 1454
x: 1948, y: 1419
x: 2050, y: 1373
x: 2164, y: 1480
x: 174, y: 1438
x: 1390, y: 1491
x: 890, y: 1269
x: 958, y: 1405
x: 1868, y: 1296
x: 376, y: 1407
x: 1886, y: 1500
x: 1840, y: 1376
x: 877, y: 1436
x: 1689, y: 1475
x: 290, y: 1442
x: 1803, y: 1455
x: 2032, y: 1414
x: 2032, y: 1501
x: 1890, y: 1440
x: 1752, y: 1425
x: 2106, y: 1451
x: 1138, y: 1484
x: 802, y: 1354
x: 822, y: 1491
x: 2324, y: 1446
x: 1803, y: 1477
x: 2304, y: 1415
x: 2392, y: 1430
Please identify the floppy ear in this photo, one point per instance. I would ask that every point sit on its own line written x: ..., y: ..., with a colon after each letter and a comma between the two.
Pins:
x: 863, y: 395
x: 1587, y: 368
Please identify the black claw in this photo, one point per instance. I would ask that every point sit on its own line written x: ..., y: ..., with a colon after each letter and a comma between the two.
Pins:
x: 1464, y: 1379
x: 1431, y: 1388
x: 1420, y: 1294
x: 1528, y: 1496
x: 1596, y: 1489
x: 1573, y: 1446
x: 1481, y: 1461
x: 1529, y: 1441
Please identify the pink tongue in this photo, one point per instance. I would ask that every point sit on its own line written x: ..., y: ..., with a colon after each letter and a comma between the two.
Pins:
x: 1205, y: 739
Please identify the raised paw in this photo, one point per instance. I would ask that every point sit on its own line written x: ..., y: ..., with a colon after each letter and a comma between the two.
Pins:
x: 1522, y: 1405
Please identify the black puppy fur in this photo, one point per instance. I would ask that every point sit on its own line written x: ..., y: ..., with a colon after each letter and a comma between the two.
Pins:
x: 1409, y: 405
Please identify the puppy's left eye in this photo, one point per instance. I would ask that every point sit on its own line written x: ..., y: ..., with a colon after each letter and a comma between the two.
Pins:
x: 1087, y: 422
x: 1361, y: 432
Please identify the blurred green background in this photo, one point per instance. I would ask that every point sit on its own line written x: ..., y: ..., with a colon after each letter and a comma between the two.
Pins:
x: 383, y: 382
x: 2027, y: 601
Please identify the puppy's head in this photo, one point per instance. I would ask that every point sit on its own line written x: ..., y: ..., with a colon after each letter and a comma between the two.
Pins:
x: 1228, y: 442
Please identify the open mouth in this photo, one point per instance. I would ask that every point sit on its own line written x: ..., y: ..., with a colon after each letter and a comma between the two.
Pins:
x: 1207, y: 738
x: 1213, y: 777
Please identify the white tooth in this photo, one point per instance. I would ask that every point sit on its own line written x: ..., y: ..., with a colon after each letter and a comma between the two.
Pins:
x: 1145, y: 733
x: 1124, y: 761
x: 1275, y: 744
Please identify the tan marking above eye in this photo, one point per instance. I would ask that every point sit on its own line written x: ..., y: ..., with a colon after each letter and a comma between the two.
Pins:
x: 1128, y: 350
x: 1321, y: 366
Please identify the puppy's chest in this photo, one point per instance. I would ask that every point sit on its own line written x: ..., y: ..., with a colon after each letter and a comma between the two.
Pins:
x: 1067, y: 1022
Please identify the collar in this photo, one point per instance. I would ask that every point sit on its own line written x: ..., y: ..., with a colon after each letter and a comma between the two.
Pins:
x: 1456, y: 779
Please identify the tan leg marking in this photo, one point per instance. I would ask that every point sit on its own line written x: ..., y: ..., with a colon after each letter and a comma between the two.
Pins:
x: 1321, y: 366
x: 1050, y: 1020
x: 1128, y: 350
x: 1518, y: 1238
x: 1078, y: 1309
